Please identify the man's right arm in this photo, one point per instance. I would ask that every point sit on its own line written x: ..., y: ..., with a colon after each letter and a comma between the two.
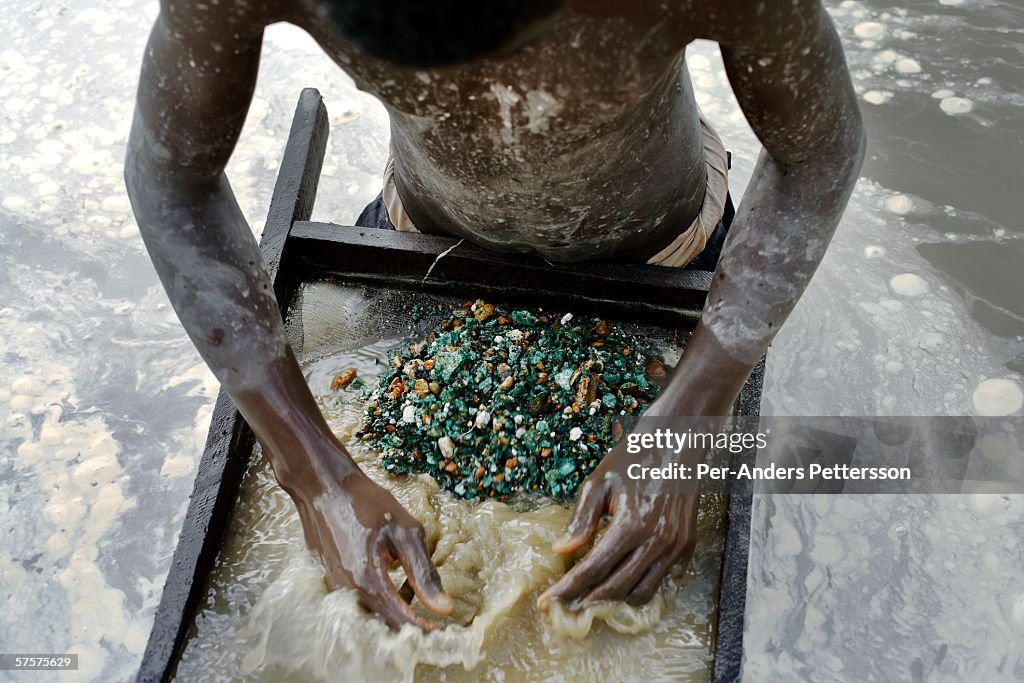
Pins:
x: 198, y: 76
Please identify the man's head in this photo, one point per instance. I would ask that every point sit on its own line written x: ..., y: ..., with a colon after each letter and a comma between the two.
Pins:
x: 427, y: 33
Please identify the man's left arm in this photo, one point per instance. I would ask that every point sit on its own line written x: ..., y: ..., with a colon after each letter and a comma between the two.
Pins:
x: 787, y: 68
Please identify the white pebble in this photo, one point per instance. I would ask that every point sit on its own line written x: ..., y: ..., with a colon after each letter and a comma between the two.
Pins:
x: 575, y: 434
x: 483, y: 418
x: 409, y: 414
x: 566, y: 318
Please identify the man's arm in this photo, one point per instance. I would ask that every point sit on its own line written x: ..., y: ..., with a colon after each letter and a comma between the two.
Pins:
x: 789, y: 74
x: 787, y: 68
x: 197, y: 81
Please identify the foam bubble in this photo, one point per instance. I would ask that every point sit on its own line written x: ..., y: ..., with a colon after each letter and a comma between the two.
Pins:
x: 997, y: 397
x: 899, y: 204
x: 14, y: 203
x: 908, y: 66
x: 877, y: 97
x: 1018, y: 609
x: 869, y: 29
x: 699, y: 62
x: 176, y: 466
x: 891, y: 305
x: 908, y: 284
x: 956, y: 105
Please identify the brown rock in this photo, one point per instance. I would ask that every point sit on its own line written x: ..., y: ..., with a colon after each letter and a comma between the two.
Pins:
x: 655, y: 369
x: 343, y: 379
x: 396, y: 388
x: 595, y: 382
x: 483, y: 311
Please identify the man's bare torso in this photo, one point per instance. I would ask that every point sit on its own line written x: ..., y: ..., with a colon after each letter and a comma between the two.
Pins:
x: 584, y: 143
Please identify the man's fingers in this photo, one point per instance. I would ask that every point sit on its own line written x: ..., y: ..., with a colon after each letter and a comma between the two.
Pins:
x: 593, y: 568
x: 645, y: 588
x: 378, y: 595
x: 411, y: 549
x: 624, y: 577
x: 585, y: 518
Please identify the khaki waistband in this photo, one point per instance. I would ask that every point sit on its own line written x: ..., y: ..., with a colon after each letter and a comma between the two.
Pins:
x: 683, y: 249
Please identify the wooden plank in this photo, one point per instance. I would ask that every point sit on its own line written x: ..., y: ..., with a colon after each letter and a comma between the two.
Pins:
x: 230, y: 441
x: 297, y: 181
x: 672, y: 297
x: 732, y: 587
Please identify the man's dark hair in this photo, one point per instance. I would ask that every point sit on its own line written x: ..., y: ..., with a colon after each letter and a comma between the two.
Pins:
x: 428, y: 33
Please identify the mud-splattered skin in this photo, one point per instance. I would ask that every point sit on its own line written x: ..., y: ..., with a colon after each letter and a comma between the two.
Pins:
x: 582, y: 142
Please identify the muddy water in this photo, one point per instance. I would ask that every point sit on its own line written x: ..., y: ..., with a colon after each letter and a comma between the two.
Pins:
x: 268, y: 617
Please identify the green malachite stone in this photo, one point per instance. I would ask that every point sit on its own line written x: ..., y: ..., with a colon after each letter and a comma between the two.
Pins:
x: 487, y: 403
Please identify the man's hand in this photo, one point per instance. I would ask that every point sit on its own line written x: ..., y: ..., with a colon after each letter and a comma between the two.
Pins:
x: 647, y: 535
x: 649, y: 532
x: 360, y: 532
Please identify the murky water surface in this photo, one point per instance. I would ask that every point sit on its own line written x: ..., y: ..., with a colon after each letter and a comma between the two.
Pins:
x: 917, y: 309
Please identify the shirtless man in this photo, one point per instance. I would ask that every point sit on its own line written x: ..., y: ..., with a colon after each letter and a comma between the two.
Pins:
x: 563, y: 127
